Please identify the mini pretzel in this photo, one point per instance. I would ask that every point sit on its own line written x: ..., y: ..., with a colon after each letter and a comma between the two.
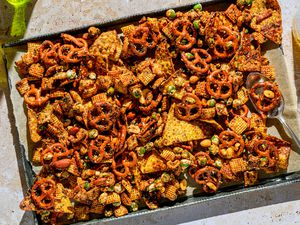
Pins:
x: 131, y: 163
x: 42, y: 193
x: 235, y: 142
x: 226, y: 42
x: 71, y: 54
x: 266, y: 149
x: 209, y: 177
x: 33, y: 97
x: 57, y: 151
x: 151, y: 104
x: 100, y: 116
x: 219, y: 85
x: 262, y: 102
x: 199, y: 61
x: 48, y: 52
x: 184, y: 31
x: 242, y: 111
x: 186, y: 110
x: 205, y: 155
x: 97, y: 158
x: 139, y: 40
x: 117, y: 172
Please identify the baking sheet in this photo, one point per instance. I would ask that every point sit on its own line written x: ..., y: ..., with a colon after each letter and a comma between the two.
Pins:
x: 14, y: 51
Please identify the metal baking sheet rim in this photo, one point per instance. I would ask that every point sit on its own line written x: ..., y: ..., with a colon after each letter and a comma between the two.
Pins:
x: 281, y: 181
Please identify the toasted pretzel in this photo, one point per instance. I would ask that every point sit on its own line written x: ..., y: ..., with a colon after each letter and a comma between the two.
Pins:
x: 205, y: 155
x: 151, y: 104
x: 114, y: 166
x: 188, y: 111
x: 97, y: 158
x: 184, y: 30
x: 139, y: 40
x: 235, y: 142
x: 266, y: 149
x: 262, y: 102
x: 219, y: 85
x: 226, y: 42
x: 71, y: 54
x: 131, y: 163
x: 199, y: 61
x: 48, y: 52
x: 100, y: 116
x: 56, y: 151
x: 208, y: 176
x: 242, y: 111
x: 33, y: 97
x: 43, y: 193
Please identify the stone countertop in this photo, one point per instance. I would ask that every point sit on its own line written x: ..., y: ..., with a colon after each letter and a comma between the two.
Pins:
x: 276, y: 206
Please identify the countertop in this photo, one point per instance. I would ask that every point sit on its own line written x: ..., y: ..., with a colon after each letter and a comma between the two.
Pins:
x: 279, y: 205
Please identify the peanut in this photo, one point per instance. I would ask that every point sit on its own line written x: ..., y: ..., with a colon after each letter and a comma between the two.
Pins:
x: 205, y: 143
x: 269, y: 94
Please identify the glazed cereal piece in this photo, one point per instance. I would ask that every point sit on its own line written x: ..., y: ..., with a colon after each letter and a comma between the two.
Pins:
x: 269, y: 72
x: 233, y: 13
x: 238, y: 124
x: 238, y: 165
x: 23, y: 86
x: 248, y: 57
x: 250, y: 178
x: 109, y: 44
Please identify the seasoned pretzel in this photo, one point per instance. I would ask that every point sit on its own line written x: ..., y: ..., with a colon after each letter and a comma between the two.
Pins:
x: 42, y: 193
x: 199, y: 60
x: 209, y: 177
x: 185, y: 32
x: 206, y: 157
x: 48, y: 52
x: 101, y: 116
x: 97, y: 158
x: 151, y: 103
x: 53, y: 153
x: 188, y: 110
x: 139, y: 40
x: 226, y: 42
x: 131, y: 163
x: 264, y: 102
x: 116, y: 166
x: 33, y: 97
x: 71, y: 54
x: 232, y: 145
x: 242, y: 111
x: 266, y: 149
x: 219, y: 85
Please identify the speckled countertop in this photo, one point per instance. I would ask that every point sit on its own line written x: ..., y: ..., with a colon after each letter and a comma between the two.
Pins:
x: 279, y: 205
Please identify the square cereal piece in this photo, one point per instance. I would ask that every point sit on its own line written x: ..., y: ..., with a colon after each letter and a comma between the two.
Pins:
x: 233, y: 13
x: 269, y: 72
x: 238, y: 165
x: 238, y: 125
x: 33, y: 47
x: 242, y: 95
x: 250, y: 178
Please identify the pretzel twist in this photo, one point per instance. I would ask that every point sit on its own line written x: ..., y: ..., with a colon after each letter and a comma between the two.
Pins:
x: 199, y: 62
x: 188, y: 110
x: 33, y: 97
x: 185, y: 32
x: 226, y: 42
x: 219, y: 85
x: 262, y: 102
x: 43, y: 193
x: 230, y: 141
